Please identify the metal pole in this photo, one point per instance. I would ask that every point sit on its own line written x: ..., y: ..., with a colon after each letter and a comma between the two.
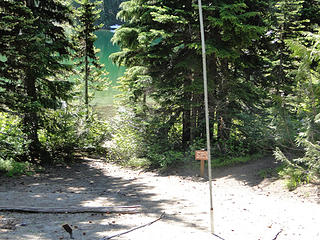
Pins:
x: 205, y: 84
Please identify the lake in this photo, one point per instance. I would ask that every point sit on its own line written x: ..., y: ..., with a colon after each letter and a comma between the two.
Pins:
x: 106, y: 98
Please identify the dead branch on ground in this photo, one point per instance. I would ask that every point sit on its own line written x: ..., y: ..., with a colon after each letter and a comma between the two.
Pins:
x: 135, y: 228
x: 277, y: 234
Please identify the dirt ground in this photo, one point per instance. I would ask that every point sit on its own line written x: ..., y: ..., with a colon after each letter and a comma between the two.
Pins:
x: 246, y: 206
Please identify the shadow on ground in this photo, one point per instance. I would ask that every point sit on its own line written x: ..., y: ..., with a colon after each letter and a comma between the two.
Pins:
x: 78, y: 185
x: 248, y: 173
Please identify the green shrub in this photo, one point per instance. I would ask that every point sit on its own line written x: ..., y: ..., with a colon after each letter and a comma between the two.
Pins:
x: 126, y: 141
x: 13, y: 143
x: 93, y: 135
x: 197, y: 144
x: 231, y: 161
x: 295, y: 176
x: 271, y: 172
x: 137, y: 142
x: 166, y: 159
x: 59, y: 135
x: 300, y: 170
x: 250, y: 134
x: 12, y: 168
x: 139, y: 163
x: 67, y: 131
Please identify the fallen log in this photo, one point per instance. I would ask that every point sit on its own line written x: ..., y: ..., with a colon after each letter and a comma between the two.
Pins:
x: 114, y: 209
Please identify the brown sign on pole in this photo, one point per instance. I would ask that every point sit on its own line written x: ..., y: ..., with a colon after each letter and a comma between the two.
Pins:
x: 202, y: 156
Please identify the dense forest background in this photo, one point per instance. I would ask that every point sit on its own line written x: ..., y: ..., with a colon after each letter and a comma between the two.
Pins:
x: 108, y: 14
x: 263, y: 77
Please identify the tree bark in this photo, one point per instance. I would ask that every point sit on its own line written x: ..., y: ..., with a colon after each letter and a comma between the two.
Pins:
x: 86, y: 76
x: 30, y: 118
x: 186, y: 118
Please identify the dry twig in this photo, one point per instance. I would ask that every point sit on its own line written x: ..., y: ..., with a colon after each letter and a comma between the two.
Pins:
x: 277, y: 234
x: 135, y: 228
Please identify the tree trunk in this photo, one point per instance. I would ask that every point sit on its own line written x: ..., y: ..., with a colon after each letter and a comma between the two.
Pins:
x: 222, y: 115
x: 213, y: 78
x: 186, y: 117
x: 86, y: 91
x: 30, y: 118
x: 193, y: 117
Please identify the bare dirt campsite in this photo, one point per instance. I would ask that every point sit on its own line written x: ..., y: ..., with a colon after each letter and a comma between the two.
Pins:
x: 246, y: 206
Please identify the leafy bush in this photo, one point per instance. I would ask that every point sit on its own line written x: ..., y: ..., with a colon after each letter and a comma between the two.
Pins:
x: 306, y: 104
x: 296, y: 177
x: 93, y: 133
x: 271, y: 172
x: 230, y: 161
x: 13, y: 143
x: 139, y: 163
x: 250, y: 134
x: 65, y: 132
x: 59, y: 135
x: 197, y: 144
x: 166, y: 159
x: 126, y: 139
x: 137, y: 142
x: 13, y: 168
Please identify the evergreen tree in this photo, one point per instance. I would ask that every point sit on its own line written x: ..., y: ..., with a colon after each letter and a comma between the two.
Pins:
x: 163, y: 31
x: 160, y: 44
x: 33, y: 45
x: 234, y: 38
x: 290, y: 20
x: 306, y: 100
x: 310, y: 12
x: 109, y: 10
x: 88, y: 62
x: 287, y: 26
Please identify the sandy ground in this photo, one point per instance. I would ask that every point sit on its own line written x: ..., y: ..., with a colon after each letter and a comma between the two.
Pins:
x: 245, y: 205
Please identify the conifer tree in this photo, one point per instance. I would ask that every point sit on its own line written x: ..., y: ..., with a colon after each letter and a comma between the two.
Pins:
x: 160, y: 44
x: 291, y: 20
x: 92, y: 73
x: 234, y: 38
x: 33, y: 45
x: 288, y: 26
x: 307, y: 93
x: 310, y: 12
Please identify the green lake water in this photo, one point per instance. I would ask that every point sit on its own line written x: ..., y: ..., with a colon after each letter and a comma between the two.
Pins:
x: 105, y: 98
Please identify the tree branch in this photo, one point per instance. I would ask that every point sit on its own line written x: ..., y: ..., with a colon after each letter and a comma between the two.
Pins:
x: 135, y: 228
x: 277, y: 234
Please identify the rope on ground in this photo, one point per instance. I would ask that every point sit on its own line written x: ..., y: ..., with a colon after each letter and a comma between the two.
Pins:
x: 135, y: 228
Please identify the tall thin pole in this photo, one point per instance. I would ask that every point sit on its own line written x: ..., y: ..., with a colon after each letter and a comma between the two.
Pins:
x: 205, y: 84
